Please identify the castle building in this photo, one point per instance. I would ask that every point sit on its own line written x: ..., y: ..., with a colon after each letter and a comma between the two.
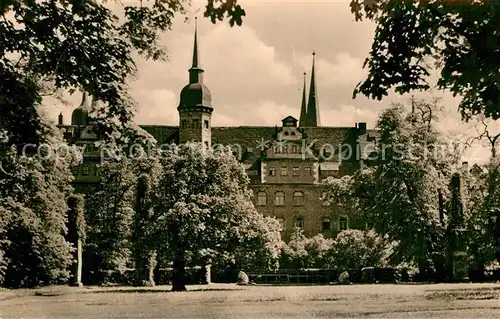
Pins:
x: 285, y: 163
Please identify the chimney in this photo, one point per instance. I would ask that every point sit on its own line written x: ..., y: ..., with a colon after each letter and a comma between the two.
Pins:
x: 362, y: 127
x: 60, y: 119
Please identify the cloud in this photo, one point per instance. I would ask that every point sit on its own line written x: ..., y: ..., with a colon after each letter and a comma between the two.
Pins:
x: 254, y: 72
x: 156, y: 107
x: 342, y: 70
x: 348, y: 115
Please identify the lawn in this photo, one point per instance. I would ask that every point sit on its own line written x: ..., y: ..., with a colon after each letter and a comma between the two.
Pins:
x: 231, y: 301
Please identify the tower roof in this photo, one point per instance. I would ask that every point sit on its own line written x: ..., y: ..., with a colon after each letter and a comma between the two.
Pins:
x: 196, y: 62
x: 80, y: 115
x: 303, y: 106
x: 195, y: 94
x: 312, y: 105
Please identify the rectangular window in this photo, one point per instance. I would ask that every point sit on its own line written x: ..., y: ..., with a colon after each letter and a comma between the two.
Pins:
x: 184, y: 123
x: 294, y: 149
x: 284, y: 171
x: 196, y: 123
x: 89, y: 147
x: 307, y: 171
x: 272, y: 171
x: 325, y: 225
x: 206, y: 124
x: 85, y: 171
x: 262, y: 199
x: 279, y: 199
x: 206, y: 145
x: 343, y: 223
x: 295, y: 171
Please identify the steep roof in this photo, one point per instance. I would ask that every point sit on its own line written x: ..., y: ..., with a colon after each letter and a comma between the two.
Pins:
x: 163, y: 134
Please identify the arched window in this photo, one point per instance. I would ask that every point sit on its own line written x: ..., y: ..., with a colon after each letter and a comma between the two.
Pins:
x: 262, y: 199
x: 325, y: 225
x: 279, y: 199
x: 299, y: 222
x: 343, y: 223
x: 298, y: 198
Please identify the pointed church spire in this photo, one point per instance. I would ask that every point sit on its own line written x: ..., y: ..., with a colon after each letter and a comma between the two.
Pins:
x: 312, y: 105
x: 195, y: 72
x: 303, y: 107
x: 195, y: 48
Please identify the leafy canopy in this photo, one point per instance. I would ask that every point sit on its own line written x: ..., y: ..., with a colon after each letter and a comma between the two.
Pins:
x: 72, y: 44
x: 460, y: 36
x: 204, y: 210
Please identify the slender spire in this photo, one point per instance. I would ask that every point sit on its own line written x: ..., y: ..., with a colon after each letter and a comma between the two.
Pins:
x: 303, y: 107
x: 195, y: 47
x: 195, y: 72
x: 312, y: 105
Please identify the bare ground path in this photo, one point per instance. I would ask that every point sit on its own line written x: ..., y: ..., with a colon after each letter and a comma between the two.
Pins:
x: 231, y: 301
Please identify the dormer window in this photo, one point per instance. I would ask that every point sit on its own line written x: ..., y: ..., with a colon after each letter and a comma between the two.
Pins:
x: 293, y: 133
x: 289, y: 121
x: 286, y: 133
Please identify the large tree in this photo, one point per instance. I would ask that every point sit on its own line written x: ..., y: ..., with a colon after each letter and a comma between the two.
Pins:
x: 204, y: 210
x: 398, y: 192
x: 33, y: 209
x: 355, y: 249
x: 459, y: 36
x: 73, y: 44
x: 110, y: 210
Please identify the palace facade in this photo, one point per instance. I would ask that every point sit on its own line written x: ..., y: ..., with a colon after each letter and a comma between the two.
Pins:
x: 285, y: 163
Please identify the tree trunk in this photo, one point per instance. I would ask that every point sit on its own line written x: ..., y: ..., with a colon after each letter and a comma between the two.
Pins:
x: 145, y: 264
x: 179, y: 273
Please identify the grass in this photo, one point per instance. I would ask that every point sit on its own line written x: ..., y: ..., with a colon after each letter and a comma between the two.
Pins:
x: 231, y: 301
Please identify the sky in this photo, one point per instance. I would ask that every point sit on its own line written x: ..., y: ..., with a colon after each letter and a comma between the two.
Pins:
x: 255, y: 72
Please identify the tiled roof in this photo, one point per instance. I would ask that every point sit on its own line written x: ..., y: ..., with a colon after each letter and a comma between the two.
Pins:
x: 163, y: 134
x: 249, y: 138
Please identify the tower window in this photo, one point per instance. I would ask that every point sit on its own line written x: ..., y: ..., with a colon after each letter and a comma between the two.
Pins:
x: 284, y: 171
x: 206, y: 124
x: 325, y: 225
x: 262, y: 199
x: 299, y: 222
x: 298, y: 198
x: 279, y: 199
x: 196, y: 123
x: 272, y: 171
x: 343, y: 223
